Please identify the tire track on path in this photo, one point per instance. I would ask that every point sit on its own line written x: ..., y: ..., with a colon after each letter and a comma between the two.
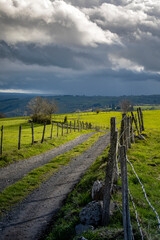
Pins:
x: 30, y: 219
x: 14, y: 172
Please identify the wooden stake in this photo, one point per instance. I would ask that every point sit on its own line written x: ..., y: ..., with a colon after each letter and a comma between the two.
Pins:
x: 57, y: 129
x: 125, y: 199
x: 52, y: 130
x: 1, y: 140
x: 43, y: 133
x: 19, y: 138
x: 32, y: 133
x: 110, y: 174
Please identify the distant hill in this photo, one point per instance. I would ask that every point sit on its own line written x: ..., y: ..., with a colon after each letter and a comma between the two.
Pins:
x: 13, y: 105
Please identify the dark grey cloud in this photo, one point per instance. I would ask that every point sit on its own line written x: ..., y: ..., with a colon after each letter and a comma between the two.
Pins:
x: 80, y: 46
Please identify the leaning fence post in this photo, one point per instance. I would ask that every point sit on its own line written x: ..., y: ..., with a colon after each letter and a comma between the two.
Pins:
x: 32, y: 133
x: 135, y: 121
x: 141, y: 114
x: 139, y: 120
x: 57, y: 129
x: 109, y: 173
x: 19, y: 138
x: 52, y: 130
x: 132, y: 133
x: 43, y: 133
x: 70, y: 126
x: 128, y: 133
x: 122, y: 132
x: 125, y: 199
x: 62, y: 129
x: 1, y: 140
x: 67, y: 127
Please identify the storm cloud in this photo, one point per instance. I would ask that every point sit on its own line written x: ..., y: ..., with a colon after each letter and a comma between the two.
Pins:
x: 80, y: 47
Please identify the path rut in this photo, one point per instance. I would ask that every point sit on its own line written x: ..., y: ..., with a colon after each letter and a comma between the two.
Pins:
x: 30, y: 219
x: 14, y: 172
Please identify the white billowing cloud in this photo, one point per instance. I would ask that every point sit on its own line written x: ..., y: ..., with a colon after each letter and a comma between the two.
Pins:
x: 45, y: 21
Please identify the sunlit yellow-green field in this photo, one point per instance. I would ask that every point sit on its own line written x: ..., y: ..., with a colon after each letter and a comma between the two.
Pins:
x: 102, y: 120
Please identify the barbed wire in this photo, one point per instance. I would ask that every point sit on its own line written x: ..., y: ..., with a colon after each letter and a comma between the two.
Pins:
x: 136, y: 213
x: 157, y: 216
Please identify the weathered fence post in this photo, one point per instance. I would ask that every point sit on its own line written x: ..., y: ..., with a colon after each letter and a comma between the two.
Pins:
x: 122, y: 132
x: 132, y: 133
x: 57, y: 129
x: 78, y: 125
x: 141, y: 114
x: 44, y: 128
x: 135, y: 121
x: 1, y: 140
x: 52, y: 130
x: 128, y: 133
x: 74, y: 125
x: 62, y: 128
x: 19, y: 138
x: 67, y: 127
x: 70, y: 126
x: 32, y: 133
x: 125, y: 199
x: 111, y: 164
x: 139, y: 120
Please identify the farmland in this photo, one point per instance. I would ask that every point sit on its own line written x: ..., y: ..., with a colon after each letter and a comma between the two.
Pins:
x: 144, y: 155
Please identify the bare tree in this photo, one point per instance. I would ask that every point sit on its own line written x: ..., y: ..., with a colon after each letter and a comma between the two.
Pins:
x: 125, y: 105
x: 41, y: 109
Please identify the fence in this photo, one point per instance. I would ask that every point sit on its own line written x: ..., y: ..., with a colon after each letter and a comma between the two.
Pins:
x: 15, y: 136
x: 119, y: 146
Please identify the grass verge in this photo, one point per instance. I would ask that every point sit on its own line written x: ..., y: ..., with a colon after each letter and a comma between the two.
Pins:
x: 18, y: 191
x: 29, y: 150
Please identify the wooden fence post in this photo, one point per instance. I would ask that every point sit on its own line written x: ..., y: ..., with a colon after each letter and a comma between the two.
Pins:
x: 67, y: 127
x: 78, y: 125
x: 132, y: 133
x: 70, y: 126
x: 135, y: 121
x: 52, y: 130
x: 1, y: 140
x: 57, y: 129
x: 19, y: 138
x: 44, y: 128
x: 141, y: 114
x: 32, y: 133
x: 139, y: 120
x: 111, y: 164
x: 74, y: 125
x: 122, y: 132
x: 62, y: 129
x: 128, y: 133
x: 125, y: 199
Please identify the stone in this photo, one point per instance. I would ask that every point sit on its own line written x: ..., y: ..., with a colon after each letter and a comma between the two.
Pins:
x: 97, y: 190
x: 81, y: 238
x: 92, y: 213
x: 80, y: 228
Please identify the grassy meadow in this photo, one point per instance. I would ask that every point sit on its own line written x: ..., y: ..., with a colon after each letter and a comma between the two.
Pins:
x: 11, y: 134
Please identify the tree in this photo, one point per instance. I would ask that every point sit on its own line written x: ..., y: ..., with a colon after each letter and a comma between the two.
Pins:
x: 2, y: 115
x: 41, y: 109
x: 125, y: 105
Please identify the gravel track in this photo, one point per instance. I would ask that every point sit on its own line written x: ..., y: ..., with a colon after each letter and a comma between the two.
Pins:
x: 14, y: 172
x: 30, y: 219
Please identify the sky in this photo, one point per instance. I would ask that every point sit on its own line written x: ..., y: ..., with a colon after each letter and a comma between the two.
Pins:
x: 80, y: 47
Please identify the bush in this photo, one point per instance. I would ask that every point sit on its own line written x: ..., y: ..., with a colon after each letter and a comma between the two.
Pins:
x: 41, y: 118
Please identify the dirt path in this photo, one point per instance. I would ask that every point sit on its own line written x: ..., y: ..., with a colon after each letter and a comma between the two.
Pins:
x: 14, y: 172
x: 30, y: 219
